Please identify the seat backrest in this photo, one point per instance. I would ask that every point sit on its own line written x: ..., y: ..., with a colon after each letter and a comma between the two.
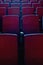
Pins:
x: 33, y: 49
x: 27, y: 10
x: 26, y: 5
x: 35, y: 5
x: 31, y: 24
x: 33, y: 1
x: 13, y: 11
x: 25, y: 1
x: 41, y: 2
x: 2, y: 11
x: 10, y: 24
x: 40, y: 11
x: 4, y: 5
x: 8, y: 49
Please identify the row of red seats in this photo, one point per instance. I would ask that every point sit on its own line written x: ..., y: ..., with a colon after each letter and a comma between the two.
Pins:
x: 25, y: 11
x: 23, y: 4
x: 33, y: 47
x: 19, y: 0
x: 31, y: 10
x: 11, y: 11
x: 35, y: 5
x: 10, y: 24
x: 30, y: 22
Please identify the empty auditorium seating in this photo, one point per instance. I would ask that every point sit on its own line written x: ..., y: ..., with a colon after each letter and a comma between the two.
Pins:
x: 4, y: 5
x: 35, y: 5
x: 26, y: 5
x: 19, y: 21
x: 2, y: 11
x: 13, y: 10
x: 30, y: 24
x: 27, y: 10
x: 10, y: 24
x: 33, y: 49
x: 15, y: 4
x: 8, y: 49
x: 40, y: 11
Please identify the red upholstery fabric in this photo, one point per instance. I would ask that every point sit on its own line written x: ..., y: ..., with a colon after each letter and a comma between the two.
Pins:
x: 8, y: 49
x: 35, y: 5
x: 32, y: 1
x: 40, y: 11
x: 27, y: 10
x: 10, y: 24
x: 2, y: 11
x: 4, y: 5
x: 30, y: 24
x: 24, y: 0
x: 33, y: 49
x: 41, y: 2
x: 13, y: 10
x: 26, y: 5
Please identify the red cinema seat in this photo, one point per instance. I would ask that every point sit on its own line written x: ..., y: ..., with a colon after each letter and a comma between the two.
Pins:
x: 25, y: 1
x: 33, y: 49
x: 4, y: 5
x: 33, y: 1
x: 2, y: 11
x: 13, y: 10
x: 30, y: 24
x: 8, y: 49
x: 35, y: 5
x: 26, y: 5
x: 41, y: 3
x: 27, y: 10
x: 40, y: 11
x: 15, y: 4
x: 10, y: 24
